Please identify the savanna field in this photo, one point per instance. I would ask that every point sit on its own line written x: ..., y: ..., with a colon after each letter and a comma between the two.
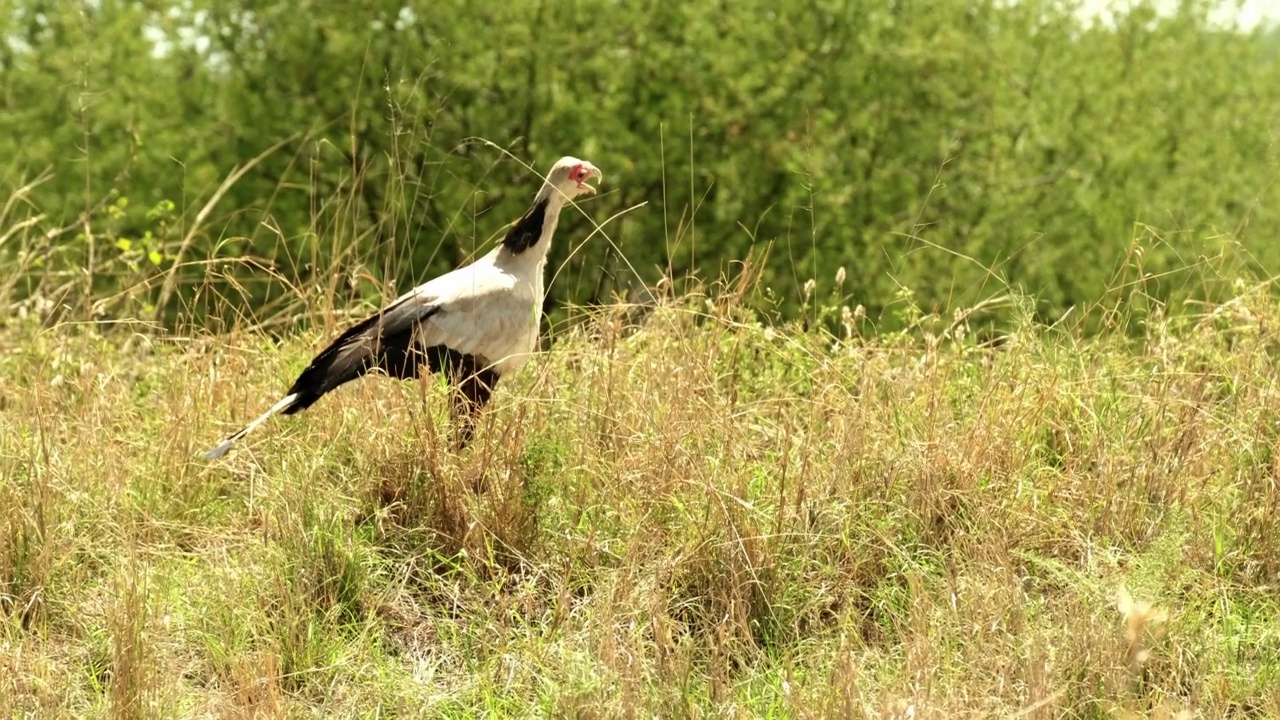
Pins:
x: 909, y: 360
x: 675, y: 511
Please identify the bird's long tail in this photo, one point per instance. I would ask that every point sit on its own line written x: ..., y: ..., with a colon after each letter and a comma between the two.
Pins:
x: 225, y: 445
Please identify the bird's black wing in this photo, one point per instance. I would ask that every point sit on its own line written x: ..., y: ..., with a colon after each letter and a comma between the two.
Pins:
x: 386, y: 341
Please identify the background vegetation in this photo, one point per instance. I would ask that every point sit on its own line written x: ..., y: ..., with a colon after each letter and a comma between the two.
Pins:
x: 950, y: 147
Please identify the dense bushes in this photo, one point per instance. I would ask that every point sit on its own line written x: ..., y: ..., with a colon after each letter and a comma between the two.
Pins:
x: 952, y: 147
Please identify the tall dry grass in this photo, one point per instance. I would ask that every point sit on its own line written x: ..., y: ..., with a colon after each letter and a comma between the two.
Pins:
x: 680, y: 509
x: 680, y: 512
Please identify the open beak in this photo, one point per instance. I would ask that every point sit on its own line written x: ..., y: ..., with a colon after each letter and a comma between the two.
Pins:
x: 592, y: 172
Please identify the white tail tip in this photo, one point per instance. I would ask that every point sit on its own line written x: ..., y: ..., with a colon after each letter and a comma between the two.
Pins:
x: 218, y: 451
x: 225, y: 445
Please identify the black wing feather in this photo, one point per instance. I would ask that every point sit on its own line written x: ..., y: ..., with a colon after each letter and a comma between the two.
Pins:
x: 383, y: 341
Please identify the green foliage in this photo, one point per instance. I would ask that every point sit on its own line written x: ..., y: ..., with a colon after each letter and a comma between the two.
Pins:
x: 954, y: 148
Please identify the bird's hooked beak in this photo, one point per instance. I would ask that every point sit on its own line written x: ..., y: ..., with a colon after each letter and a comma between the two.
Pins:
x: 592, y: 172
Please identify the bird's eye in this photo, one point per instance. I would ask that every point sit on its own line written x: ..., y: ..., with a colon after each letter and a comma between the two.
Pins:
x: 577, y: 173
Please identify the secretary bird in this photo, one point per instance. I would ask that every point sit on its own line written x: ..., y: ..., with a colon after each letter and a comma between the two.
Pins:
x: 476, y: 324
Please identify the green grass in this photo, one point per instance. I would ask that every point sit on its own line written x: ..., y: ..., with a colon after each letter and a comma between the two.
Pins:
x: 683, y: 515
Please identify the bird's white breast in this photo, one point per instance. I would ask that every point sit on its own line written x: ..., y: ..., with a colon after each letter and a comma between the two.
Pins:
x: 488, y: 310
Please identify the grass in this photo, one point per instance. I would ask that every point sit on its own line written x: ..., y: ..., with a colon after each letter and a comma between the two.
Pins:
x: 684, y: 514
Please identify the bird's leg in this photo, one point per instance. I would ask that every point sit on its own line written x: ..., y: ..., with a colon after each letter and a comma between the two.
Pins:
x: 466, y: 402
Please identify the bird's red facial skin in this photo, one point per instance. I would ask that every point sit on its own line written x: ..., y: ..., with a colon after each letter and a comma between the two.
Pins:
x: 578, y: 174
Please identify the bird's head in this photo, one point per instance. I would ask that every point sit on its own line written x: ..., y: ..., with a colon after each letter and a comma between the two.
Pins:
x: 568, y: 178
